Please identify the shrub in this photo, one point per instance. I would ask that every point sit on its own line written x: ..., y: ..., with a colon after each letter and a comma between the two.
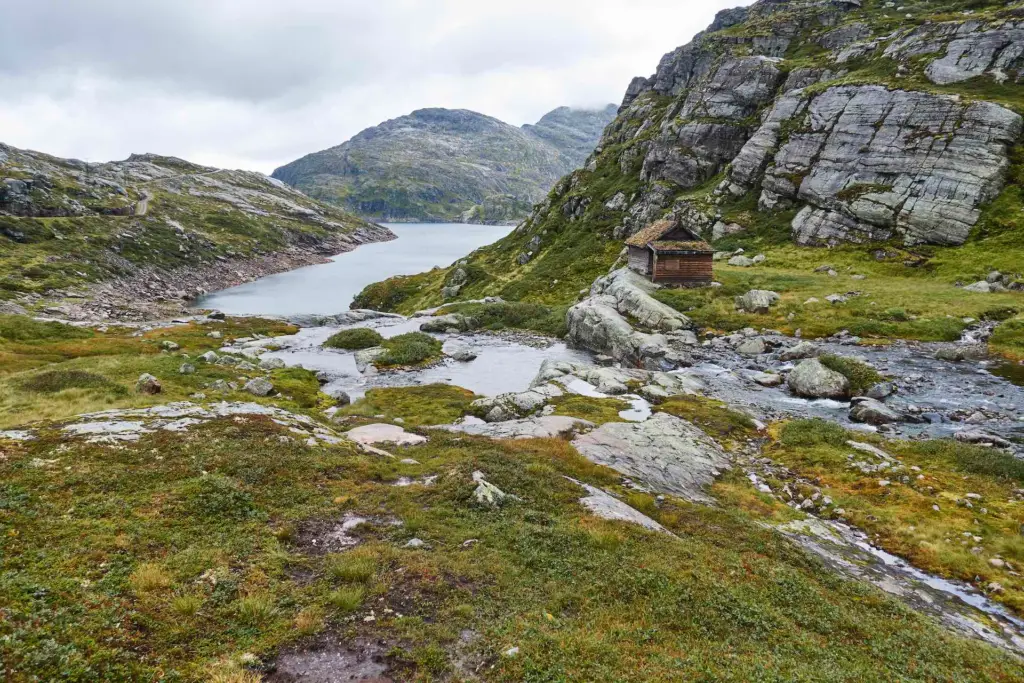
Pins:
x: 999, y: 313
x: 413, y: 348
x: 432, y: 404
x: 355, y: 339
x: 861, y: 375
x: 56, y: 381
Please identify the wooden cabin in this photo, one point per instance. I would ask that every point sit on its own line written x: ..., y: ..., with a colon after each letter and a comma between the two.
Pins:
x: 667, y: 253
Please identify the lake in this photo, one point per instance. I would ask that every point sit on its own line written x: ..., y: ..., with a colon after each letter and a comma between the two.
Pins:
x: 329, y: 288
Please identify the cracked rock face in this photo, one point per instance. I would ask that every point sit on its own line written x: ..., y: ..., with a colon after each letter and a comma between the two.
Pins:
x: 968, y: 50
x: 546, y: 427
x: 666, y: 454
x: 869, y: 163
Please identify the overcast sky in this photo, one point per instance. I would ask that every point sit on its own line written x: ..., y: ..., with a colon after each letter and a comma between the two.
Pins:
x: 257, y: 83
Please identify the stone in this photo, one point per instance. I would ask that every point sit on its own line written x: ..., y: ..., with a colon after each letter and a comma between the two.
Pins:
x: 654, y: 393
x: 881, y: 391
x: 373, y: 434
x: 245, y: 366
x: 546, y: 427
x: 752, y: 347
x: 148, y: 384
x: 487, y: 493
x: 209, y: 357
x: 982, y: 287
x: 416, y: 544
x: 606, y: 506
x: 870, y: 411
x: 768, y: 379
x: 801, y: 351
x: 463, y: 354
x: 836, y: 299
x: 169, y: 346
x: 259, y: 387
x: 811, y: 379
x: 741, y: 262
x: 757, y: 301
x: 364, y: 358
x: 442, y: 323
x: 341, y: 399
x: 721, y: 229
x: 980, y: 438
x: 187, y: 369
x: 665, y: 453
x: 272, y: 364
x: 632, y: 296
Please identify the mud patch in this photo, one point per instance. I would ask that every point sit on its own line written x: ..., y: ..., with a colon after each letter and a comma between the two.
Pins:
x: 332, y: 660
x: 323, y: 536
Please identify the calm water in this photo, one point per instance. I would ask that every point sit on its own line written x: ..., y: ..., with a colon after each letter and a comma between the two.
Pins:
x: 330, y: 287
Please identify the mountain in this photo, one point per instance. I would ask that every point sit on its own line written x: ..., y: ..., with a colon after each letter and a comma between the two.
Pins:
x: 139, y: 238
x: 443, y: 165
x: 794, y: 124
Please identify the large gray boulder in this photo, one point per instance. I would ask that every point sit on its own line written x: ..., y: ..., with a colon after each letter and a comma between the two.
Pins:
x: 757, y: 301
x: 595, y: 324
x: 801, y: 351
x: 259, y: 387
x: 873, y: 412
x: 811, y: 379
x: 445, y: 323
x: 665, y: 453
x: 631, y: 294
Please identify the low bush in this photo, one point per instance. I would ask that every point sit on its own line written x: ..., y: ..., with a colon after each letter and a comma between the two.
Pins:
x: 861, y: 375
x: 354, y: 339
x: 816, y: 432
x: 414, y: 348
x: 433, y: 404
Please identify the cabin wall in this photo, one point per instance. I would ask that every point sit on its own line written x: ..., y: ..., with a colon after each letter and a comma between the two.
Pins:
x: 684, y: 268
x: 640, y: 260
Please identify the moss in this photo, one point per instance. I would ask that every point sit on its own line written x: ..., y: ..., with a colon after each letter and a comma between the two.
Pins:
x: 55, y: 381
x: 712, y: 416
x: 861, y: 375
x: 433, y: 404
x: 597, y: 410
x: 354, y: 339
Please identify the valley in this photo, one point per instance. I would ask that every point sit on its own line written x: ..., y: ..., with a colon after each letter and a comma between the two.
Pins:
x: 246, y: 435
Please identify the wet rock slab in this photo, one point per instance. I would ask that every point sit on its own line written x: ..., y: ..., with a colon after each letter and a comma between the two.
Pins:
x: 332, y: 662
x: 547, y: 427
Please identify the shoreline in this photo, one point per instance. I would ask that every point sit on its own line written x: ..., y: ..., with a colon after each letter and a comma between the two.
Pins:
x: 154, y: 294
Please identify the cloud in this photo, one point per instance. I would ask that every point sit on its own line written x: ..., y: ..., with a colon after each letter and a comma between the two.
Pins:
x: 257, y: 83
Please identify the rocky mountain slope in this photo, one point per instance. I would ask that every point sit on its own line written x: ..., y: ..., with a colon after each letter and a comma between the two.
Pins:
x: 141, y: 237
x: 442, y: 165
x: 793, y: 122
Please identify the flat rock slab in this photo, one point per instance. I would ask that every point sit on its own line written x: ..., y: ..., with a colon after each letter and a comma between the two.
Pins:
x: 666, y: 454
x: 370, y: 435
x: 354, y: 661
x: 548, y: 427
x: 606, y: 506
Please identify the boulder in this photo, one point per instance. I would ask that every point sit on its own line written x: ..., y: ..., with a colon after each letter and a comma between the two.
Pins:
x: 187, y: 369
x: 148, y: 384
x: 881, y: 391
x: 443, y: 323
x: 979, y: 438
x: 272, y: 364
x: 983, y: 287
x: 341, y: 399
x: 768, y: 379
x: 259, y: 387
x: 741, y: 262
x: 630, y: 294
x: 873, y: 412
x: 487, y: 493
x: 752, y: 347
x: 757, y: 301
x: 801, y: 351
x: 463, y: 354
x: 169, y: 346
x: 209, y: 357
x: 811, y: 379
x: 364, y: 358
x: 665, y: 454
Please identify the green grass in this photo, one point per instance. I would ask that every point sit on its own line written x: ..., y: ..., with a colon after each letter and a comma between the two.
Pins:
x: 410, y: 349
x: 714, y: 417
x: 432, y: 404
x: 596, y: 410
x: 56, y: 381
x: 354, y: 339
x: 860, y: 375
x: 901, y: 517
x: 99, y: 564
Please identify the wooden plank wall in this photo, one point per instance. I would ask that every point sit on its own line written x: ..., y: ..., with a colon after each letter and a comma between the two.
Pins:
x: 678, y: 268
x: 640, y: 260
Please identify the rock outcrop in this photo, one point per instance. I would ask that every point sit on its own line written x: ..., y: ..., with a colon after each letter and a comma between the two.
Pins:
x: 811, y: 379
x: 599, y: 323
x: 665, y: 454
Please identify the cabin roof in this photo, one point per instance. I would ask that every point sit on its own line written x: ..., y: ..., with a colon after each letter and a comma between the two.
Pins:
x: 655, y: 231
x: 697, y: 245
